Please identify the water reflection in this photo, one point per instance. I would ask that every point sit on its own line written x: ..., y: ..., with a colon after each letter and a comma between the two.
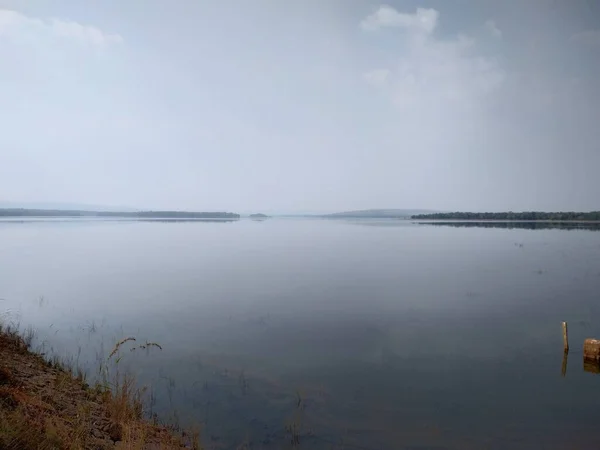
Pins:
x: 591, y: 366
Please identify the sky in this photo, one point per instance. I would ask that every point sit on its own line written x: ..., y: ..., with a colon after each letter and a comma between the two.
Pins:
x: 306, y: 105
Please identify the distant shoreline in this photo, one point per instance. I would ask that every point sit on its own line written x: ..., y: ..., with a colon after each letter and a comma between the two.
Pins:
x: 49, y: 213
x: 456, y: 217
x: 377, y: 214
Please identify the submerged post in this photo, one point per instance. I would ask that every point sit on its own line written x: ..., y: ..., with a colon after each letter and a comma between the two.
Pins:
x: 565, y: 336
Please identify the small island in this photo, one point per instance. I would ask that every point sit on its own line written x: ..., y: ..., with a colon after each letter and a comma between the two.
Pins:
x: 259, y: 216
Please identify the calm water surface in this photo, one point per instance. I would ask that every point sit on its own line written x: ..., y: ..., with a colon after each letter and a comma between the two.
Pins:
x: 364, y: 335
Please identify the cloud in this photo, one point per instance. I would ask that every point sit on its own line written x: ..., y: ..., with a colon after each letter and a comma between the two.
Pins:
x: 493, y: 28
x: 432, y: 74
x: 588, y: 37
x: 424, y: 20
x: 19, y: 26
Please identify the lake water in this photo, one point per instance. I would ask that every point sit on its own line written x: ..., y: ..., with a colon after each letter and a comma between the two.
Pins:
x: 333, y: 334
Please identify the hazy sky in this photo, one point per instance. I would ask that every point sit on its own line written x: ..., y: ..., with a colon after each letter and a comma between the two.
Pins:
x: 306, y: 105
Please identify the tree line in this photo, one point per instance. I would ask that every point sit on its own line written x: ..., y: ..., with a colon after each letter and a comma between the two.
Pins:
x: 527, y: 215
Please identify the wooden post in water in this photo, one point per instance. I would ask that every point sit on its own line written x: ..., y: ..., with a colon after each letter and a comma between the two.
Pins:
x: 591, y: 350
x: 565, y: 337
x: 563, y: 369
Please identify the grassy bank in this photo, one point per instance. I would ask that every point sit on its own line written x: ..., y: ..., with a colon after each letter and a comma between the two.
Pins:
x: 43, y: 406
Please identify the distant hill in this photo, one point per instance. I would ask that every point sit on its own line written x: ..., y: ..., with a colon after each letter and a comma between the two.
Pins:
x: 379, y: 214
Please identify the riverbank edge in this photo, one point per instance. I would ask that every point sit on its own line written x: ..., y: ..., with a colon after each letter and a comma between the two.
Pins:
x: 44, y: 406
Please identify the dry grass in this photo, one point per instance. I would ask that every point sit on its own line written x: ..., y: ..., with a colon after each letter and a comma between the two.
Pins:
x: 17, y: 432
x: 118, y: 345
x: 44, y: 406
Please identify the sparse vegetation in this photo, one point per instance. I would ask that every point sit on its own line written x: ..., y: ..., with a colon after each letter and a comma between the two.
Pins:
x: 45, y: 404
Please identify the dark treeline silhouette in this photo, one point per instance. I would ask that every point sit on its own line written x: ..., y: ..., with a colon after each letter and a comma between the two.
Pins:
x: 128, y: 215
x: 520, y: 225
x: 528, y: 215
